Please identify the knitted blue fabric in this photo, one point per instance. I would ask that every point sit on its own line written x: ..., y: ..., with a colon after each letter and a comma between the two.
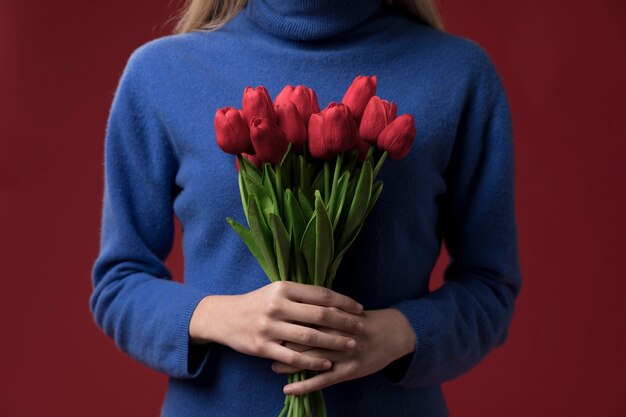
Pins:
x: 455, y: 187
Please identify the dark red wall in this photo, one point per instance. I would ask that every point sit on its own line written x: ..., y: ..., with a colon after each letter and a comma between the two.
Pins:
x: 563, y: 65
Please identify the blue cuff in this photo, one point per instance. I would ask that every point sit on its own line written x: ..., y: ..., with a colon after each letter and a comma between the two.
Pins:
x: 191, y: 358
x: 405, y: 370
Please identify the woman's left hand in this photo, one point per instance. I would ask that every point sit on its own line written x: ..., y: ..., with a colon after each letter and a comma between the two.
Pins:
x: 386, y: 337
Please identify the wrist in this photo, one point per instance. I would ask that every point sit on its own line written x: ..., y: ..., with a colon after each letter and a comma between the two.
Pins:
x: 403, y: 333
x: 204, y: 326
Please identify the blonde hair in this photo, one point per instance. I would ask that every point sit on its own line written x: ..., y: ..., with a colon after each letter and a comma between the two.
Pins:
x: 213, y: 14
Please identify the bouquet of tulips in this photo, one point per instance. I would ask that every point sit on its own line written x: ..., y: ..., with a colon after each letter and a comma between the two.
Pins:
x: 307, y: 181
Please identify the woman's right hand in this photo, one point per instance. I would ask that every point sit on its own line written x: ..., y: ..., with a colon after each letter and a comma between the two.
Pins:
x: 258, y: 322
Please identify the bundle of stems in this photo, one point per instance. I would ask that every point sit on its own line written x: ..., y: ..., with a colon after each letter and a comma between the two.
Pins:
x: 303, y: 215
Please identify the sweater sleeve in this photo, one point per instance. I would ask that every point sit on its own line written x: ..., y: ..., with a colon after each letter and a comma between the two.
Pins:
x: 134, y: 299
x: 461, y: 321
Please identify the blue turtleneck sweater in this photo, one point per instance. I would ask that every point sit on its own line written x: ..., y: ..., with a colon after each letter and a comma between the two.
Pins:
x: 455, y: 187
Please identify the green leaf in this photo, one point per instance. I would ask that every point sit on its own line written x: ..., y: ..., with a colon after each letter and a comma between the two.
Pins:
x: 350, y: 160
x: 298, y: 261
x: 296, y: 222
x: 332, y: 270
x: 285, y: 168
x: 296, y: 225
x: 307, y: 209
x: 342, y: 189
x: 279, y: 191
x: 332, y: 202
x: 246, y: 236
x: 281, y: 245
x: 380, y: 163
x: 323, y: 240
x: 250, y: 169
x: 307, y: 247
x: 377, y: 188
x: 265, y: 200
x: 369, y: 156
x: 243, y: 191
x: 268, y: 181
x: 262, y: 236
x: 358, y: 207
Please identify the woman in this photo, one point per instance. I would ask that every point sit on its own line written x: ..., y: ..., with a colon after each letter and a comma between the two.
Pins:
x: 226, y: 338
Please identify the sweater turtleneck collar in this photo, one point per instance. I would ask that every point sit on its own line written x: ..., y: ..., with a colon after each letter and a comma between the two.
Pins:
x: 309, y: 19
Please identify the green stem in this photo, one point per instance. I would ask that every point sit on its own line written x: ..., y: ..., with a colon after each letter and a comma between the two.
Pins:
x: 289, y: 399
x: 307, y: 406
x: 333, y: 191
x: 285, y: 407
x: 279, y: 190
x: 379, y: 165
x: 326, y: 182
x: 322, y: 405
x: 297, y: 412
x: 370, y: 151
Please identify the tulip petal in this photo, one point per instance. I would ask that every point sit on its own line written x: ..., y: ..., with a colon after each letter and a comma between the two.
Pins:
x: 359, y: 93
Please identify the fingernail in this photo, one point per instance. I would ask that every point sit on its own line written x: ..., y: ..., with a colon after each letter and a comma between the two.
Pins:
x: 327, y: 364
x: 360, y: 325
x: 359, y: 306
x: 288, y: 390
x: 351, y: 343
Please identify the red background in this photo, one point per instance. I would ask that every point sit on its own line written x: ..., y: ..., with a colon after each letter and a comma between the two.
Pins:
x: 563, y: 65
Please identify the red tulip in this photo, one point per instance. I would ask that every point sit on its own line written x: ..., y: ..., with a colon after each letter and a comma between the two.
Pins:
x: 256, y: 102
x: 377, y: 115
x: 291, y: 123
x: 304, y: 98
x: 332, y: 131
x: 231, y: 132
x: 397, y: 138
x: 269, y: 140
x: 358, y: 94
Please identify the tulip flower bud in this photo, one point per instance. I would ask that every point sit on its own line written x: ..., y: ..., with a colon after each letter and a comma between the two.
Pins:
x: 231, y: 132
x: 397, y: 138
x: 332, y: 131
x: 269, y: 140
x: 358, y: 94
x: 304, y: 98
x: 291, y: 123
x: 256, y: 102
x: 377, y: 115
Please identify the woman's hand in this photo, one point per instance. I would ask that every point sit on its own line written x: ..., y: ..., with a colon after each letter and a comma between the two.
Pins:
x: 258, y: 322
x: 387, y: 337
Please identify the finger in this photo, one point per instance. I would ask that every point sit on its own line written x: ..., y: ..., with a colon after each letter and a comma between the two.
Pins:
x: 331, y: 355
x: 281, y: 368
x: 297, y: 346
x: 307, y: 336
x: 323, y: 316
x: 318, y: 382
x: 315, y: 294
x: 280, y: 353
